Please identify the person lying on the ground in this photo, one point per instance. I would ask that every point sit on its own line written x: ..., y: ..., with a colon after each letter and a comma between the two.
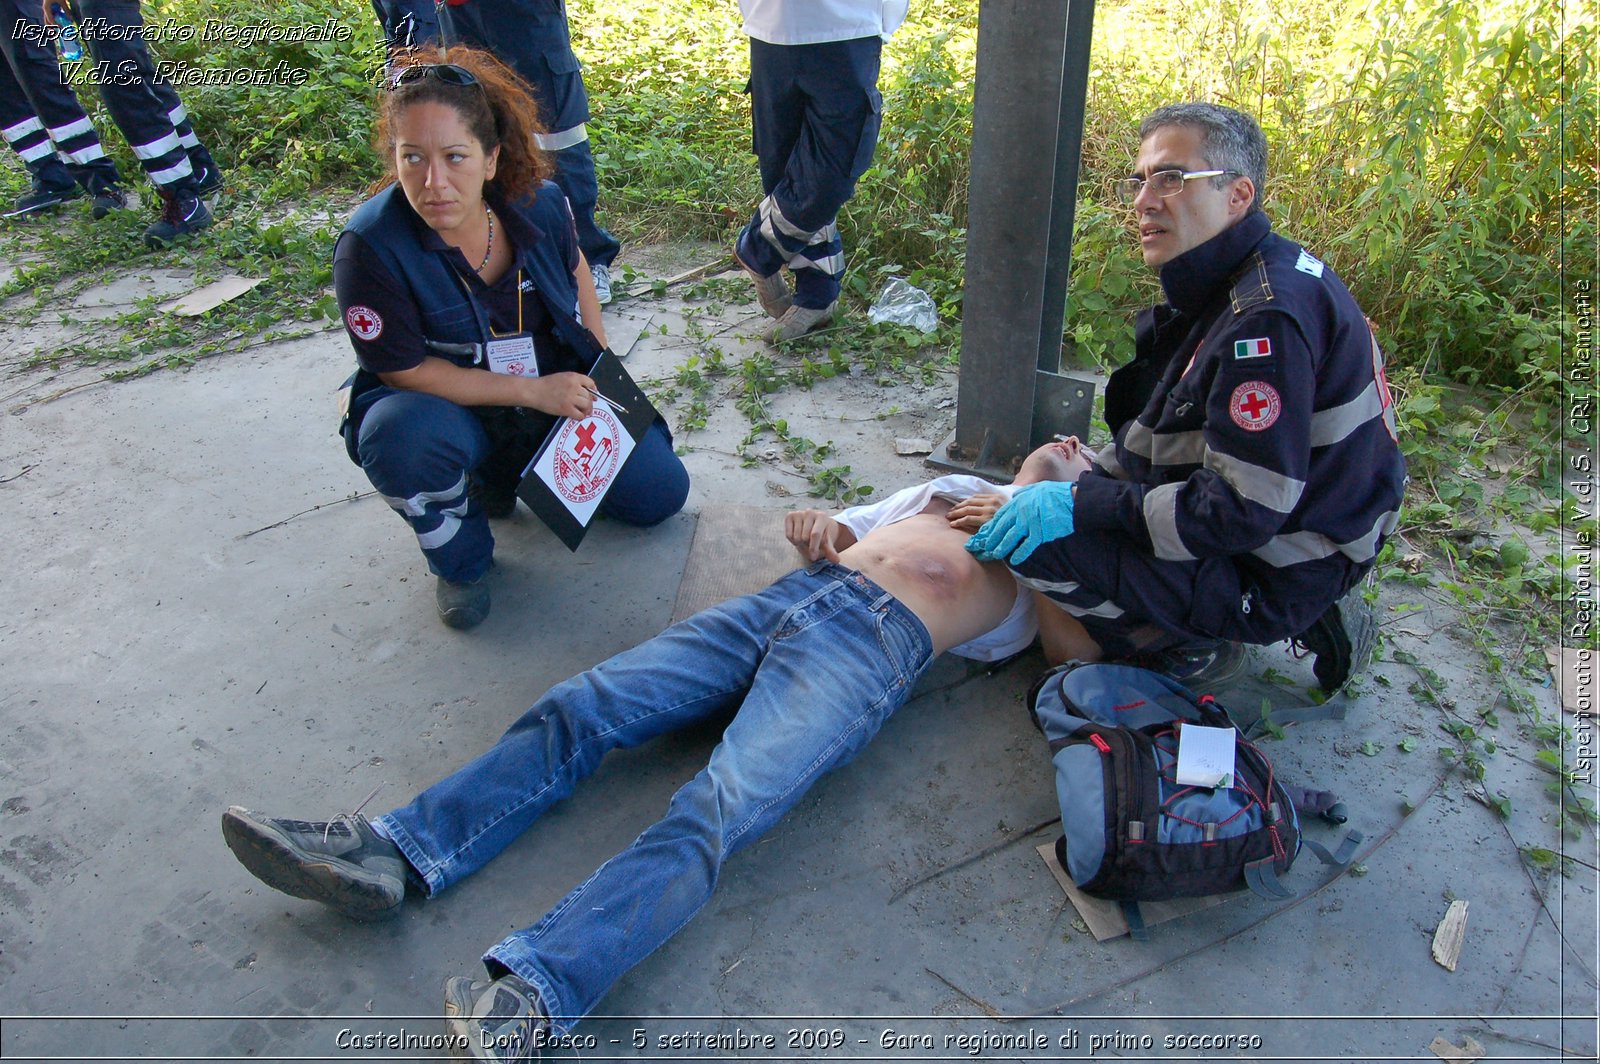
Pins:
x: 813, y: 665
x: 1254, y: 471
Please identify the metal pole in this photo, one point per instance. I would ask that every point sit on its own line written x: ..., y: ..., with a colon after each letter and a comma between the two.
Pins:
x: 1027, y: 118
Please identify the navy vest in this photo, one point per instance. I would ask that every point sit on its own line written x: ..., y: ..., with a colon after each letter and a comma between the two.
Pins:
x: 419, y: 259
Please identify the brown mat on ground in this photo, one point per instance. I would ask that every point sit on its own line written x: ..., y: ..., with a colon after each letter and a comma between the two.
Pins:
x: 736, y: 550
x: 1105, y: 918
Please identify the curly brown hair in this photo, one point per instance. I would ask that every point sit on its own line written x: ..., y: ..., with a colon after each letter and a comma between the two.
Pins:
x: 498, y: 111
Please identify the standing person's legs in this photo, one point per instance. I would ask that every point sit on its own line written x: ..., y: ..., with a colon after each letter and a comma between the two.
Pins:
x: 39, y: 77
x: 576, y: 177
x: 810, y: 160
x: 841, y: 661
x: 146, y: 116
x: 131, y: 97
x: 22, y: 130
x: 533, y: 37
x: 207, y: 175
x: 407, y: 24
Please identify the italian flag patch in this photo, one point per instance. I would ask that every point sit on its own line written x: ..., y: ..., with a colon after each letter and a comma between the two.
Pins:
x: 1258, y: 348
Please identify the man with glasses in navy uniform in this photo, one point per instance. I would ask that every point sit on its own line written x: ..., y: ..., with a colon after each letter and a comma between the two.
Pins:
x: 1254, y: 470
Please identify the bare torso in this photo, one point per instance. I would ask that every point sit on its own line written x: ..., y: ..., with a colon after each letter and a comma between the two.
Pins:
x: 924, y: 563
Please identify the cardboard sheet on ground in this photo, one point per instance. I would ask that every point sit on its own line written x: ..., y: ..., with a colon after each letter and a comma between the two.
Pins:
x: 1105, y: 918
x: 736, y: 550
x: 212, y: 295
x: 1574, y: 670
x: 578, y: 462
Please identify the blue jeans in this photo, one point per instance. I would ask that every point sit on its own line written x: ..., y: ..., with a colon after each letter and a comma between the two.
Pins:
x: 417, y: 450
x: 815, y: 664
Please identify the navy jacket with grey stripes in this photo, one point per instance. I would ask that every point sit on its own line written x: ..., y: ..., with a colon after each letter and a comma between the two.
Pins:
x: 1255, y: 424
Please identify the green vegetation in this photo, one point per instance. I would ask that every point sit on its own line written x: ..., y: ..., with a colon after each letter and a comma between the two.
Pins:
x: 1436, y: 154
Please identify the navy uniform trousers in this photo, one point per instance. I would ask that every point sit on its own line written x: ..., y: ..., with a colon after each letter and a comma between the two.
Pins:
x: 815, y: 115
x: 40, y: 118
x: 142, y: 103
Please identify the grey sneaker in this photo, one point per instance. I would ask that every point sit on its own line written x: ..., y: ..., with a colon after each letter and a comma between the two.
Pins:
x: 463, y: 604
x: 499, y: 1021
x: 1342, y: 639
x: 602, y: 282
x: 797, y: 321
x: 772, y: 292
x: 344, y: 864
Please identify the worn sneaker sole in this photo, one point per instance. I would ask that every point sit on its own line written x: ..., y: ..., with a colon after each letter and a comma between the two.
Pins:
x: 283, y: 866
x: 1361, y: 627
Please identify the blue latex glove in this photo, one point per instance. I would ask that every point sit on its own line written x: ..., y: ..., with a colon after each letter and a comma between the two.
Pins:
x: 1035, y: 515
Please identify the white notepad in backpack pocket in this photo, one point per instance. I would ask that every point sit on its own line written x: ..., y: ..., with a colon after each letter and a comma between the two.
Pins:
x: 1205, y: 756
x: 583, y: 459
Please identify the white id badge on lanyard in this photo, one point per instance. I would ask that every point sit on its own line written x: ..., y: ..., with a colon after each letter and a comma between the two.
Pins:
x: 512, y: 355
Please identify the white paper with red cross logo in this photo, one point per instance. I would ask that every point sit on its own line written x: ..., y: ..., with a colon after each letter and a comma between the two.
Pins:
x: 583, y: 458
x: 580, y: 459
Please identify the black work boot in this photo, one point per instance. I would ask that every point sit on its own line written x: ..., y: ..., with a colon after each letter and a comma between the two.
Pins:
x: 107, y: 199
x: 182, y: 213
x: 1342, y: 639
x: 207, y: 174
x: 42, y: 199
x: 1200, y: 666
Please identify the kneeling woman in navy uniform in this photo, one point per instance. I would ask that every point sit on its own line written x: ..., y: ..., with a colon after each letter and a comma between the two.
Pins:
x: 474, y: 318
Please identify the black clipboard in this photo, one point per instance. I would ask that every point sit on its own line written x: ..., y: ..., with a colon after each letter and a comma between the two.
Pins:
x: 574, y: 456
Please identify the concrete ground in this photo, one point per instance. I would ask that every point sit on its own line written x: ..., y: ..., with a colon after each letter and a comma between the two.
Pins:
x: 198, y: 616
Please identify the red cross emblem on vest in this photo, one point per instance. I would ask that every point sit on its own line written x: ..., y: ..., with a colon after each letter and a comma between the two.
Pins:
x: 364, y: 322
x: 1255, y: 405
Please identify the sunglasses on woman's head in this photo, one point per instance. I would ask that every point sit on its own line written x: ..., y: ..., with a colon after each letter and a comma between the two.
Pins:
x: 448, y: 73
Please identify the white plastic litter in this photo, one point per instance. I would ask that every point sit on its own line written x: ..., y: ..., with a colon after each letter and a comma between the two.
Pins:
x: 902, y: 304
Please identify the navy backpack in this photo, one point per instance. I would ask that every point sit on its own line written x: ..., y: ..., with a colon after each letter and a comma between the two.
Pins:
x: 1131, y: 832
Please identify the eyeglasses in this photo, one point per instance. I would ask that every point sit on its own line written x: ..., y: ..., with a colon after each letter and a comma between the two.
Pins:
x: 448, y: 73
x: 1164, y: 182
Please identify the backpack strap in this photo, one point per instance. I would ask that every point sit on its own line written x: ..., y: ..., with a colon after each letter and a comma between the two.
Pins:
x: 1341, y: 857
x: 1332, y: 709
x: 1263, y: 877
x: 1135, y: 919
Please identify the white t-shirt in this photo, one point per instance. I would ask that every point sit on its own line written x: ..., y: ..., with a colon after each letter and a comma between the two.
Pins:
x: 1020, y: 626
x: 820, y: 21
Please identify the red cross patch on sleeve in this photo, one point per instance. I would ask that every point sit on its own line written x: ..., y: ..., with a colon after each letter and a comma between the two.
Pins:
x: 1255, y: 405
x: 363, y: 322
